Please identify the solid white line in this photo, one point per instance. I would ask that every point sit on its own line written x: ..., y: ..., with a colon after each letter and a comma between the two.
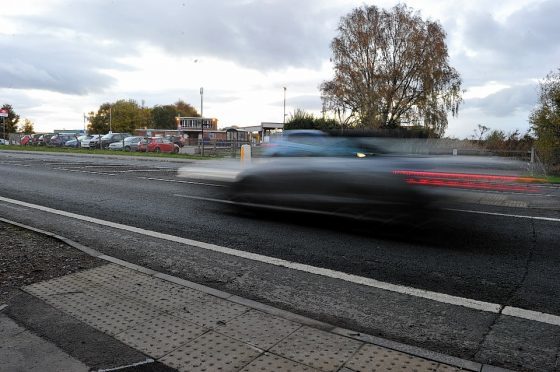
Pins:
x: 177, y: 181
x: 505, y: 215
x: 148, y: 360
x: 435, y: 296
x: 532, y: 315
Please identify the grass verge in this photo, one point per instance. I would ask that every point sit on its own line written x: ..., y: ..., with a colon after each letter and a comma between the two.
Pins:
x: 66, y: 150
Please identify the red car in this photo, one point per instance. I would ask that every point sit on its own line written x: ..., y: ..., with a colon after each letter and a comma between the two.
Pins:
x: 157, y: 144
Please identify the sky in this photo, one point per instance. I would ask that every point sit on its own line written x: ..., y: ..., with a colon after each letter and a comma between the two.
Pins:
x: 63, y: 58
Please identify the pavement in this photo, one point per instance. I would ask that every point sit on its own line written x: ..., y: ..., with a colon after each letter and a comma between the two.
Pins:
x: 121, y: 316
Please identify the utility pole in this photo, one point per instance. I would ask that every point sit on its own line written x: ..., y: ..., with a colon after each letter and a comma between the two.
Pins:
x: 284, y: 117
x: 202, y: 119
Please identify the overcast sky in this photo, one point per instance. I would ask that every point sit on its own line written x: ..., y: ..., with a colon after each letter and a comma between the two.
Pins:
x: 62, y: 58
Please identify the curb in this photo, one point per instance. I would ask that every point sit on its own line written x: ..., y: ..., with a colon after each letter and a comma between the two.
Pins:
x: 460, y: 363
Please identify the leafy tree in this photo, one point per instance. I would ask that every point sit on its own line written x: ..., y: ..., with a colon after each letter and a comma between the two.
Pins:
x: 164, y: 117
x: 126, y: 116
x: 99, y: 122
x: 496, y: 140
x: 391, y: 69
x: 545, y: 119
x: 10, y: 122
x: 185, y: 109
x: 301, y: 119
x: 27, y: 127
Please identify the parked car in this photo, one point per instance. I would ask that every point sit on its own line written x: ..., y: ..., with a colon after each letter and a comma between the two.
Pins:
x: 178, y: 140
x: 91, y: 141
x: 4, y: 142
x: 109, y: 138
x: 35, y: 139
x: 131, y: 143
x: 157, y: 144
x: 44, y: 139
x: 26, y: 140
x: 76, y: 142
x: 60, y: 139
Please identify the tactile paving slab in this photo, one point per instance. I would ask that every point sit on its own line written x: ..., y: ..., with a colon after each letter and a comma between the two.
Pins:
x: 66, y: 284
x: 259, y: 329
x: 210, y: 311
x: 118, y: 317
x: 160, y: 335
x: 211, y: 352
x: 274, y: 363
x: 316, y: 348
x: 372, y: 358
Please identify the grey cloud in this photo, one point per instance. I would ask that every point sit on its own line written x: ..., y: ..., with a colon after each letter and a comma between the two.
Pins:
x: 307, y: 102
x: 258, y: 34
x: 507, y: 101
x: 524, y: 45
x: 52, y: 63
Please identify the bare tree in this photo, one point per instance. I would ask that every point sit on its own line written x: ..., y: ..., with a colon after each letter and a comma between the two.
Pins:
x: 391, y: 69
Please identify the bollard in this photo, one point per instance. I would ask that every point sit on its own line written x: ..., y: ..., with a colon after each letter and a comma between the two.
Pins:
x: 245, y: 154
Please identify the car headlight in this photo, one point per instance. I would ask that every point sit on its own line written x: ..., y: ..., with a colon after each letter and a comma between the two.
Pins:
x: 360, y: 155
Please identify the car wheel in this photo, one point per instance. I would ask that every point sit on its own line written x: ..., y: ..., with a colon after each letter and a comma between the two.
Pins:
x: 176, y: 149
x: 127, y: 148
x: 158, y: 150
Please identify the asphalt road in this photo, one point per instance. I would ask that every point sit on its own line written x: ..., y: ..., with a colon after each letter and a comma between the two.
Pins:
x: 495, y: 258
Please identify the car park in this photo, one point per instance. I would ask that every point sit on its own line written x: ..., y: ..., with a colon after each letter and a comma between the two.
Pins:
x: 157, y: 144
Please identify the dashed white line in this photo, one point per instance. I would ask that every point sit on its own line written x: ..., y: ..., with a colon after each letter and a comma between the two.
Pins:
x: 410, y: 291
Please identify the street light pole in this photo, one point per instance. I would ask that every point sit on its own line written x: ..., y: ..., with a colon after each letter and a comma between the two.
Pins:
x: 284, y: 117
x: 202, y: 118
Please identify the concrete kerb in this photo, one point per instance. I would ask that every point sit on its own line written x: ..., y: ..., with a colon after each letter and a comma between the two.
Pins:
x: 460, y: 363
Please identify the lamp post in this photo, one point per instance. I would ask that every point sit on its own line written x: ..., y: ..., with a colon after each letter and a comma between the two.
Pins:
x: 202, y: 119
x: 284, y: 117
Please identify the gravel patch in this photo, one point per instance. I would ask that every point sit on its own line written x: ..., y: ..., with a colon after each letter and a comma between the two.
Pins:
x: 28, y: 257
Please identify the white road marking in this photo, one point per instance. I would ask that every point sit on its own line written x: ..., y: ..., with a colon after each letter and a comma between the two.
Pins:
x: 531, y: 315
x: 506, y: 215
x: 415, y: 292
x: 178, y: 181
x: 148, y: 360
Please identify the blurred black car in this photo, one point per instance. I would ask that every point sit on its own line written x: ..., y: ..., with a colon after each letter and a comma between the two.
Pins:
x: 361, y: 188
x: 389, y: 188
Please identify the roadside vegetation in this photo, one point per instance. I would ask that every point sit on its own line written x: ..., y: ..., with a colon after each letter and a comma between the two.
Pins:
x: 106, y: 152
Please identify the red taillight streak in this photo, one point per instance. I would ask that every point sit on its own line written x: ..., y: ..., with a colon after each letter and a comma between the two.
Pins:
x: 470, y: 176
x: 467, y: 185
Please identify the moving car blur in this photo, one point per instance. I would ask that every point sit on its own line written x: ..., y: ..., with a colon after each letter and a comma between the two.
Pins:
x: 359, y: 178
